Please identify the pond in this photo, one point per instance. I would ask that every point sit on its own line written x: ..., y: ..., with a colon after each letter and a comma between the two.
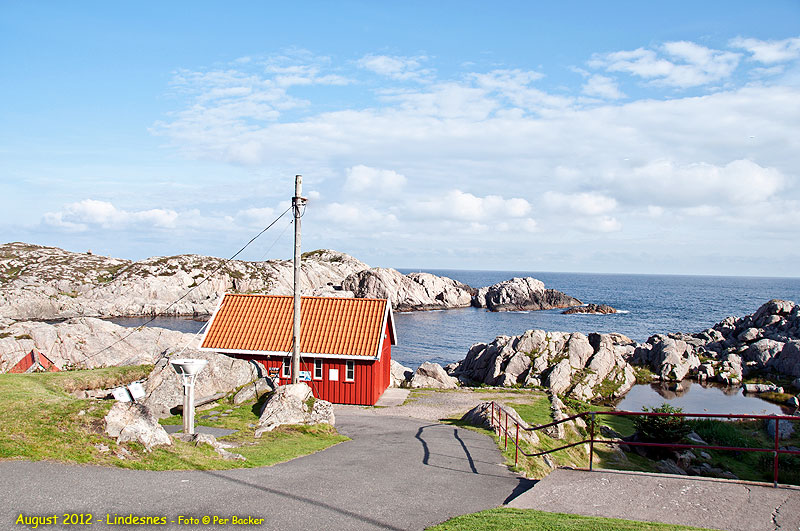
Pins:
x: 694, y: 397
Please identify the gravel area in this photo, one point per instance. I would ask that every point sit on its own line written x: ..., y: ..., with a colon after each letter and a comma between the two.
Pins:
x: 436, y: 404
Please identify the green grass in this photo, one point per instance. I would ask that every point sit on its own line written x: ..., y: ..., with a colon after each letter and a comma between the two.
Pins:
x: 503, y: 519
x: 535, y: 411
x: 42, y: 421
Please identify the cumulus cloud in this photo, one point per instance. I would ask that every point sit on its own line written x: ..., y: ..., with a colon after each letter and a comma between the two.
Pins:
x: 84, y: 214
x: 395, y: 67
x: 602, y: 87
x: 769, y: 52
x: 680, y: 64
x: 456, y: 204
x: 358, y: 216
x: 479, y: 158
x: 365, y: 179
x: 585, y: 203
x: 695, y: 184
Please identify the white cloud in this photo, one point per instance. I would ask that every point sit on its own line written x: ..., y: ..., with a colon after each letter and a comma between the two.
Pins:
x: 365, y: 179
x: 84, y: 214
x: 769, y: 52
x: 456, y: 204
x: 395, y: 67
x: 585, y: 203
x: 469, y: 162
x: 358, y: 217
x: 602, y: 87
x: 686, y: 64
x: 601, y: 224
x: 695, y: 184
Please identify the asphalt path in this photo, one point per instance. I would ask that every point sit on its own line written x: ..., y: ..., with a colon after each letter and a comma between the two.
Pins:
x: 396, y: 473
x: 687, y: 500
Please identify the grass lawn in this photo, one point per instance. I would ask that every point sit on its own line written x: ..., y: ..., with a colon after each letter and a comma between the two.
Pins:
x: 505, y: 518
x: 41, y: 420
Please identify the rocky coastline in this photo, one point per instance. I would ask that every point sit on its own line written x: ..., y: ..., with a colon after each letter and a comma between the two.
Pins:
x: 48, y: 283
x: 606, y: 366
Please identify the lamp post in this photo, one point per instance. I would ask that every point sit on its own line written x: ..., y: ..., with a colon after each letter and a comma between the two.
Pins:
x: 188, y: 369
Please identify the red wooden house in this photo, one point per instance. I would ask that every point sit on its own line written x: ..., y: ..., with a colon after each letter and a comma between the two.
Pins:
x: 34, y: 361
x: 345, y: 343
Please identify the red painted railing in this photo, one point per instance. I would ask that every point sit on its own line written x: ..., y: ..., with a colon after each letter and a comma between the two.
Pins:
x: 499, y: 412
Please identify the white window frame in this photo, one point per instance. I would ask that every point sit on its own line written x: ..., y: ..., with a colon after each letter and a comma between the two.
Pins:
x: 286, y: 368
x: 350, y: 371
x: 318, y: 369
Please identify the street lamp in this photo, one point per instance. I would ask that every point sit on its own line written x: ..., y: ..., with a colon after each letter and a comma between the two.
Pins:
x: 188, y: 369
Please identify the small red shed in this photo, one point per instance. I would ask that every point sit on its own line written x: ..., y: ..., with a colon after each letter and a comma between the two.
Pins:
x: 34, y: 361
x: 345, y: 343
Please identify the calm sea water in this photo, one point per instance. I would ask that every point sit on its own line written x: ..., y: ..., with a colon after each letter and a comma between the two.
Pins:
x: 651, y: 304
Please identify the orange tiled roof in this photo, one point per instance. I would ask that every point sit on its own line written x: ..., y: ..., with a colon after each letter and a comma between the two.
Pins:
x: 333, y: 326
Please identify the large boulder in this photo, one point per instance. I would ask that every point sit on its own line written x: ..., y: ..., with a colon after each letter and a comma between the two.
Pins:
x: 293, y: 404
x: 415, y: 291
x: 254, y: 390
x: 671, y: 359
x: 222, y: 375
x: 584, y: 368
x: 433, y: 375
x: 401, y: 375
x: 131, y: 421
x: 521, y: 294
x: 481, y: 416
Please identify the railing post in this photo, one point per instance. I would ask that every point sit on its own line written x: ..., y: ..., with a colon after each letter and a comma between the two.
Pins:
x: 591, y: 442
x: 775, y: 464
x: 491, y: 422
x: 516, y: 446
x: 506, y: 431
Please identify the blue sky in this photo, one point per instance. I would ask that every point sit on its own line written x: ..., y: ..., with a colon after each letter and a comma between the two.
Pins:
x: 645, y: 137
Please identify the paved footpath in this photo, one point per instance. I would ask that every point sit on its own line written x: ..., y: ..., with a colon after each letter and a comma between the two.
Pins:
x: 395, y: 473
x: 700, y: 502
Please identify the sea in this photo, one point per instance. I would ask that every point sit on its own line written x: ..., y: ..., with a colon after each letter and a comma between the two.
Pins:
x: 647, y: 304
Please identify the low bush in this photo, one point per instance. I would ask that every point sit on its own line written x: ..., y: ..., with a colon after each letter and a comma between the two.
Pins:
x: 662, y: 429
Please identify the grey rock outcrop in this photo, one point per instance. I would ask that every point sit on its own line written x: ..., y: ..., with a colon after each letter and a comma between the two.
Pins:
x: 671, y: 359
x: 786, y: 428
x: 401, y: 375
x: 88, y: 343
x: 567, y: 363
x: 767, y: 341
x: 481, y: 416
x: 591, y: 308
x: 253, y: 390
x: 433, y: 375
x: 521, y: 294
x: 130, y: 421
x: 415, y: 291
x: 293, y: 404
x: 222, y: 375
x: 49, y: 283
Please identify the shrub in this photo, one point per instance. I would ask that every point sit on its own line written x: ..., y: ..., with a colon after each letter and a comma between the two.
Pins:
x: 662, y: 429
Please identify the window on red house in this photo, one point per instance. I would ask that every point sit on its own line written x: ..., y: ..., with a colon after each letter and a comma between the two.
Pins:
x: 318, y: 369
x: 350, y: 375
x: 287, y: 368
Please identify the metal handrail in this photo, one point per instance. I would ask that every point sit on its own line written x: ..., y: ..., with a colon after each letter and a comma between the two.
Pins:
x: 503, y: 431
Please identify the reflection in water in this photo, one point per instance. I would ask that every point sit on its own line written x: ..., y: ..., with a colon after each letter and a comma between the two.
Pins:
x: 187, y: 325
x: 694, y: 397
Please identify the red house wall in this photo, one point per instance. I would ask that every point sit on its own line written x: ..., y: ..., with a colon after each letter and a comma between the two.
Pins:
x: 371, y: 377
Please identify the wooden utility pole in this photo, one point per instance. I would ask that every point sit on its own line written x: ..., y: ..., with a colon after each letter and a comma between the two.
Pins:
x: 297, y: 203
